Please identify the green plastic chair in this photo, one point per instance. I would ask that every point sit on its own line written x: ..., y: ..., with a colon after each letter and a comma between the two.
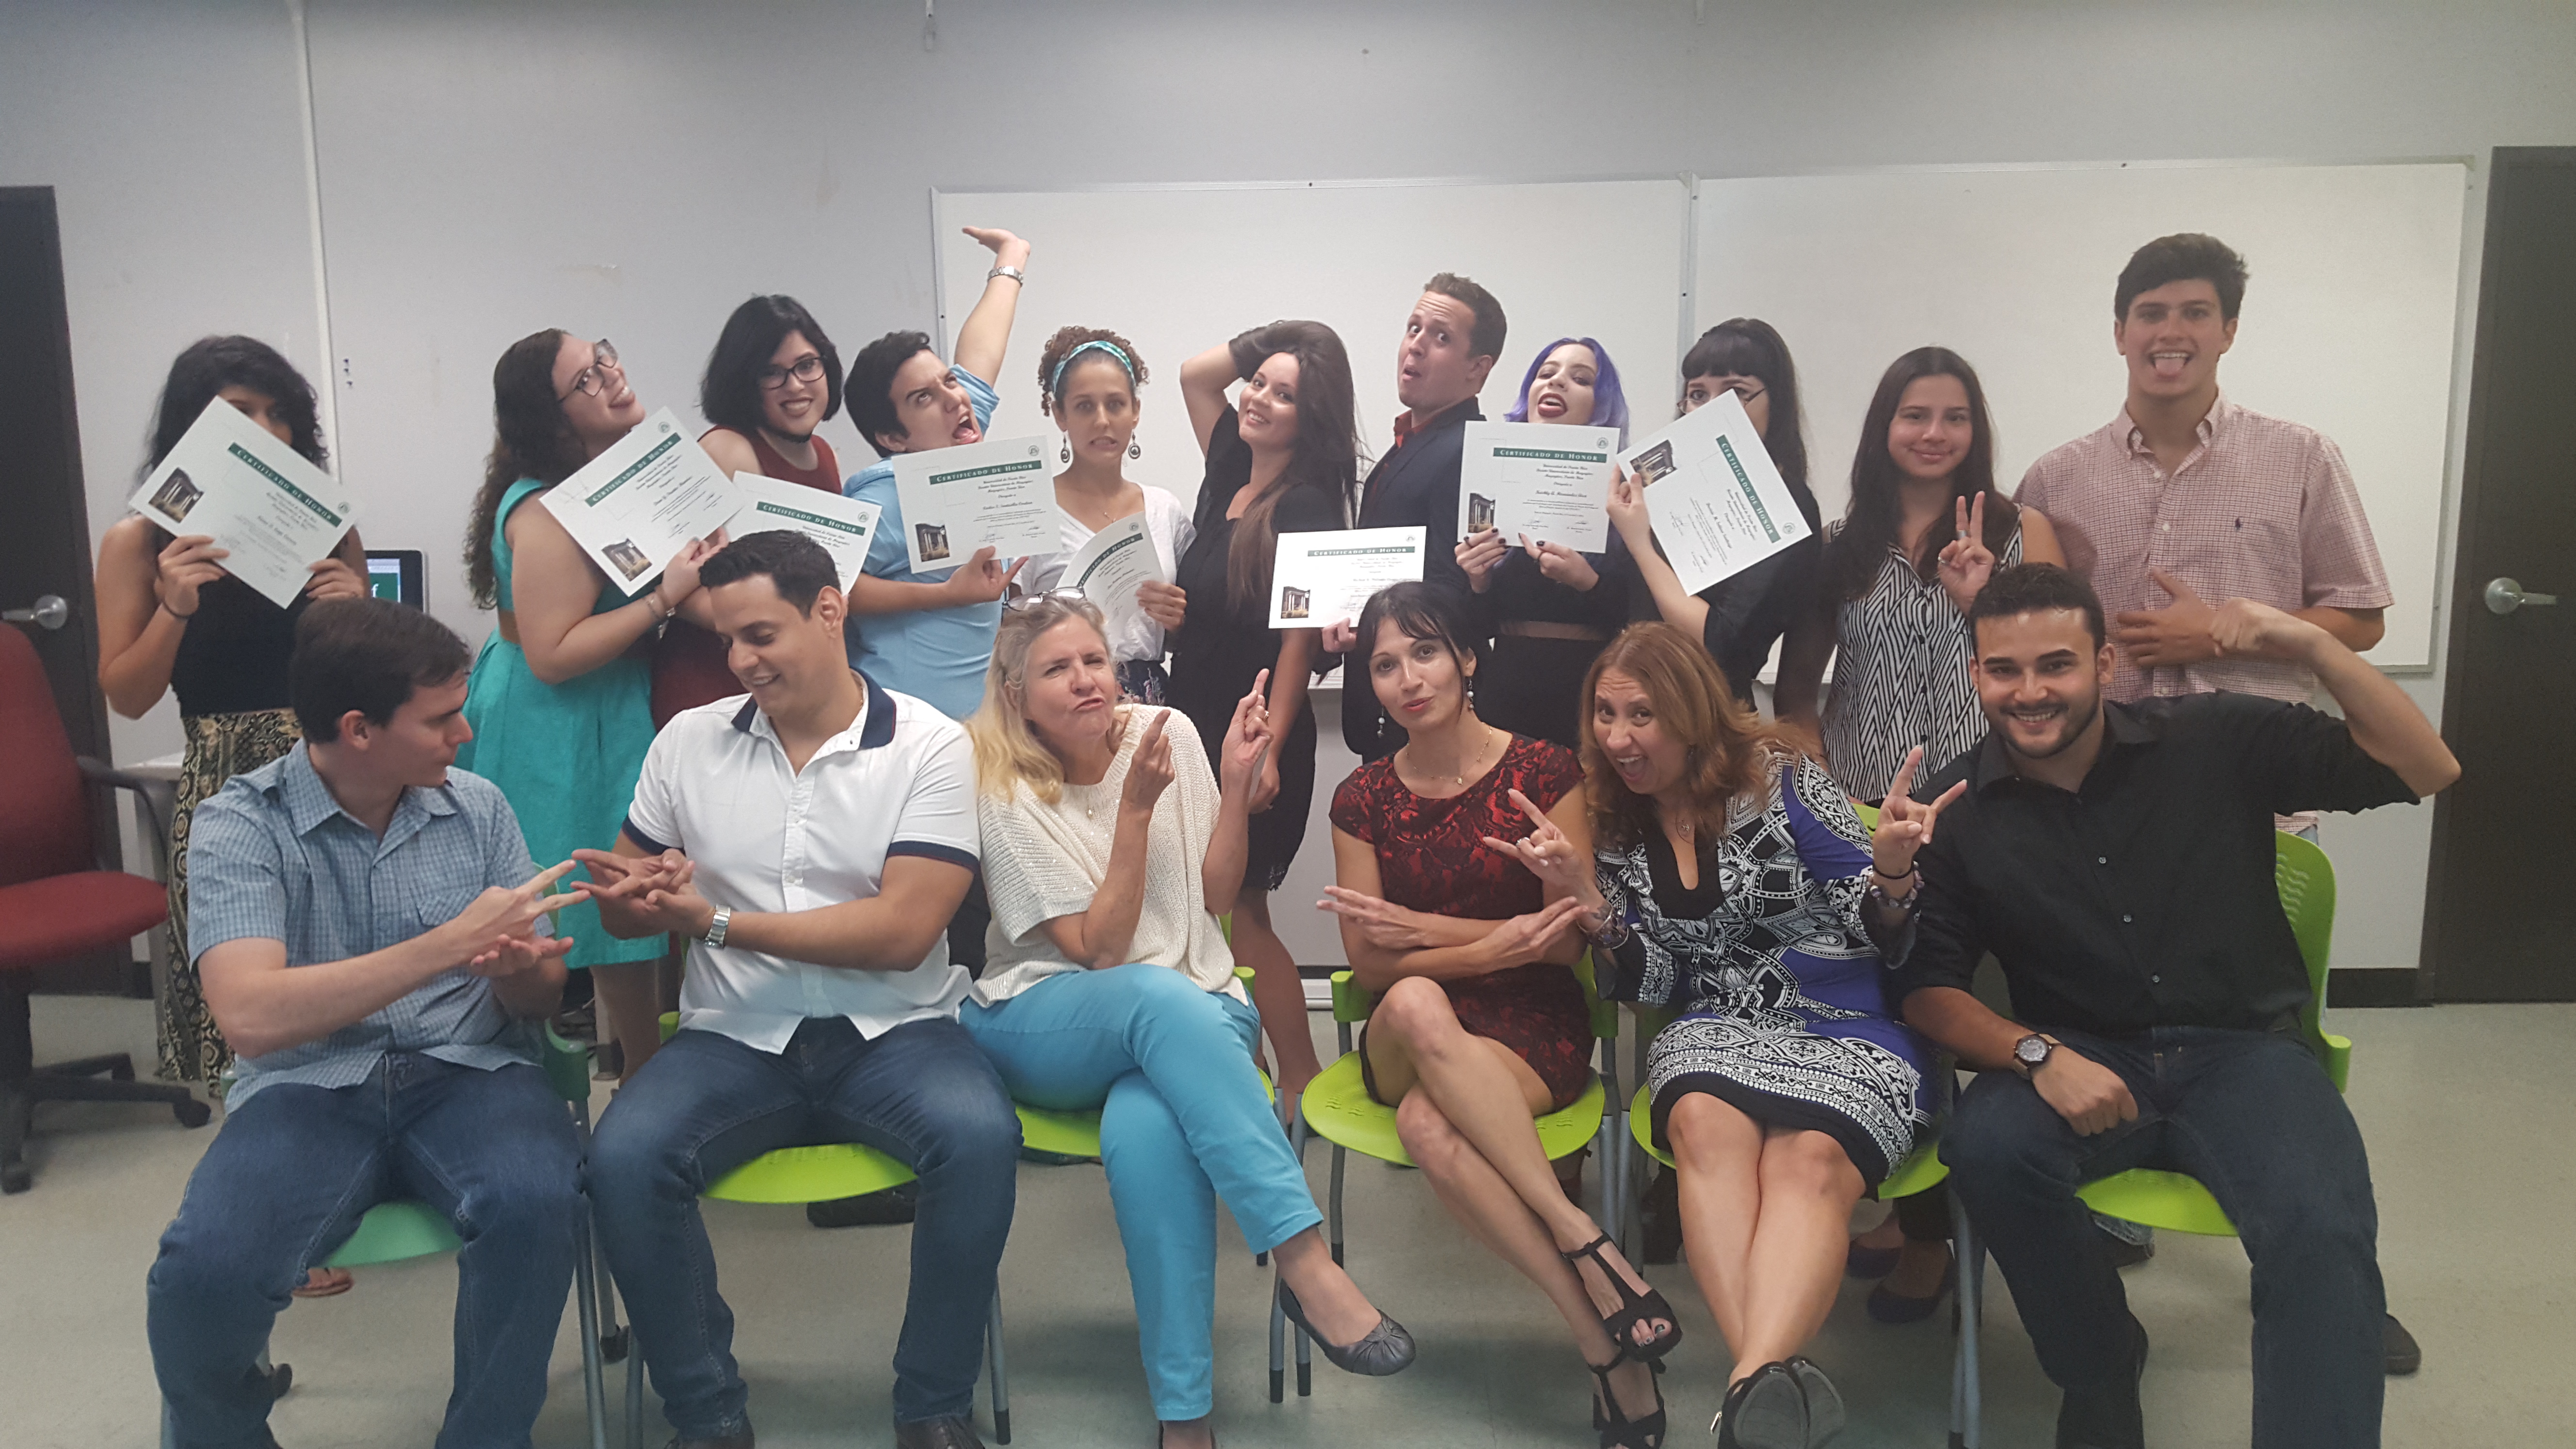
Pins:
x: 824, y: 1172
x: 1337, y: 1107
x: 392, y: 1232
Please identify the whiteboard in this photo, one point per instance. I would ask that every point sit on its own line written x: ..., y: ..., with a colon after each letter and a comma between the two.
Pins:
x: 2348, y: 324
x: 1177, y: 270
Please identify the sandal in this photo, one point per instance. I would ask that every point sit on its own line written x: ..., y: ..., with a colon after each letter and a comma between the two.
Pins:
x: 1618, y: 1431
x: 1767, y: 1409
x: 1635, y: 1307
x: 325, y: 1283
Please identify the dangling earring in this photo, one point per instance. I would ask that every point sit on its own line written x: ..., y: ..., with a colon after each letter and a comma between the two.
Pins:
x: 1135, y: 449
x: 1065, y: 453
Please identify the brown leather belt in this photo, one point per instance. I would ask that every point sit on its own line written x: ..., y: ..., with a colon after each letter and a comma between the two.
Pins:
x: 1546, y: 629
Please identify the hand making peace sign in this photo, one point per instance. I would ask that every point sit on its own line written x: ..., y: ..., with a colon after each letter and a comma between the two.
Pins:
x: 1966, y: 562
x: 1905, y: 823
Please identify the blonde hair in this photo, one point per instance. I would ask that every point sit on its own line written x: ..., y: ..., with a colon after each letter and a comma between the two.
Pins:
x: 1008, y: 754
x: 1731, y: 751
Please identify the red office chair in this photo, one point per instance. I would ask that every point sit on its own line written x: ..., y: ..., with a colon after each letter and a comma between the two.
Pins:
x: 57, y: 899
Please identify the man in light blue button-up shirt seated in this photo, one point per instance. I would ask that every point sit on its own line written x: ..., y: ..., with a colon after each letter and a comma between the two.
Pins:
x: 372, y: 940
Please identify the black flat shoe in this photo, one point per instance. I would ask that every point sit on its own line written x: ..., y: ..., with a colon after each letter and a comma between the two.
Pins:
x: 1634, y: 1307
x: 1862, y: 1261
x: 1767, y: 1410
x: 1889, y: 1306
x: 1825, y: 1417
x: 1387, y: 1348
x: 1618, y: 1431
x: 2398, y: 1346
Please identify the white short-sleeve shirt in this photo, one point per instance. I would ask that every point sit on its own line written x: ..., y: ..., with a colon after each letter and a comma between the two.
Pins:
x: 1167, y: 523
x: 716, y: 785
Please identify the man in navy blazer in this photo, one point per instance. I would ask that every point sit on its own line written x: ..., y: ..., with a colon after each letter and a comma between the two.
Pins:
x: 1451, y: 340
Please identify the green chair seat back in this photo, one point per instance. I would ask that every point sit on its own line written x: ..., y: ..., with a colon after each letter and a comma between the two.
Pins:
x: 2156, y: 1199
x: 393, y: 1231
x: 821, y: 1173
x: 1921, y: 1170
x: 1337, y: 1105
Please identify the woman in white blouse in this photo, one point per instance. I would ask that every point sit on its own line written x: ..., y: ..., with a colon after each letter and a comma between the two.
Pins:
x: 1109, y: 985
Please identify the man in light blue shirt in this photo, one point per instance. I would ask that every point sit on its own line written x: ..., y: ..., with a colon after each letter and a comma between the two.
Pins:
x: 372, y: 940
x: 930, y: 636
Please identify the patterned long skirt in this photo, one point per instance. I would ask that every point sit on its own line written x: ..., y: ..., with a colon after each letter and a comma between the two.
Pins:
x: 220, y: 746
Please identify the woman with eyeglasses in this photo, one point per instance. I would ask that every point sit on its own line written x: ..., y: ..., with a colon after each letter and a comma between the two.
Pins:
x: 772, y: 379
x: 1110, y: 848
x: 561, y: 696
x: 1549, y: 609
x: 1738, y: 618
x: 1087, y: 381
x: 1281, y: 458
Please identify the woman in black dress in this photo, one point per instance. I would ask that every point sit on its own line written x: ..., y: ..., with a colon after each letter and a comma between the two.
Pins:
x: 1284, y: 459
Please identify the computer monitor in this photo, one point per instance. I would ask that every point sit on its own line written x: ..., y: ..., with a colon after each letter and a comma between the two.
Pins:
x: 395, y: 573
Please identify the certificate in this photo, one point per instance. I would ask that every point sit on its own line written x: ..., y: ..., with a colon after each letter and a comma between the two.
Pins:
x: 266, y: 505
x: 1546, y: 480
x: 634, y: 507
x: 1717, y: 503
x: 1327, y: 577
x: 842, y: 525
x: 995, y: 495
x: 1108, y: 569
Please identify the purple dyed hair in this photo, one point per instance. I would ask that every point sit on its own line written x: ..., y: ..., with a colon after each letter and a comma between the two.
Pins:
x: 1609, y: 403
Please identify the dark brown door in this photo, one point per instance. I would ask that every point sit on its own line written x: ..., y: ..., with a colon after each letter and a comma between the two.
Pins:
x: 2499, y: 922
x: 44, y: 547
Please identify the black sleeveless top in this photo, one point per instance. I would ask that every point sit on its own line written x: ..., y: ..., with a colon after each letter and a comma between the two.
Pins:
x: 232, y: 659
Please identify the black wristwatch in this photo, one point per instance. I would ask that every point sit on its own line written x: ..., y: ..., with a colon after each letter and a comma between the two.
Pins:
x: 2032, y: 1052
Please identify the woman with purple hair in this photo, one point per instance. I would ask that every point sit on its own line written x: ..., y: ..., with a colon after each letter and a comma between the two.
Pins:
x: 1549, y: 609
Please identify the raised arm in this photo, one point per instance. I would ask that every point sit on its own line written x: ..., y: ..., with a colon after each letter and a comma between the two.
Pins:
x: 1677, y: 606
x: 1204, y: 380
x: 986, y: 332
x: 1240, y: 763
x: 2384, y: 722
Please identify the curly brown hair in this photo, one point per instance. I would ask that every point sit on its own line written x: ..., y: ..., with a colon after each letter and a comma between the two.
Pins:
x: 1732, y: 752
x: 530, y: 439
x: 1061, y: 346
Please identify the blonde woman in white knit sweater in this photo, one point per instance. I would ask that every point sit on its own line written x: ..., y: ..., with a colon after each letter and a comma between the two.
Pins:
x: 1108, y: 984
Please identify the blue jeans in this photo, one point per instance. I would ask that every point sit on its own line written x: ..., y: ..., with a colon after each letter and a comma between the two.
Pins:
x: 2252, y: 1116
x: 1183, y: 1119
x: 706, y: 1104
x: 283, y: 1186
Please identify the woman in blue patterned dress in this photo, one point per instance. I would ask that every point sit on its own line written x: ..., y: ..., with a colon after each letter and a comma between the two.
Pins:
x: 1733, y: 881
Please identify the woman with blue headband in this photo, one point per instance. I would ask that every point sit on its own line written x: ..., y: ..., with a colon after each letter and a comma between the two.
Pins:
x: 1088, y: 379
x: 1549, y: 610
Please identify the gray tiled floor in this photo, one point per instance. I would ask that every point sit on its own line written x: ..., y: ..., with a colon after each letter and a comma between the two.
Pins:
x: 2470, y: 1112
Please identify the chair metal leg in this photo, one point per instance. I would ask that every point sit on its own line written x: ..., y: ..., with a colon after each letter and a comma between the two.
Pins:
x: 1278, y: 1340
x: 1001, y: 1370
x: 1967, y: 1409
x: 594, y: 1388
x: 634, y: 1393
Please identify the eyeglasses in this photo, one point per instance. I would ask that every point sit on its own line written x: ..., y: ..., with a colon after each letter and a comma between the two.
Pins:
x: 588, y: 382
x: 1745, y: 390
x: 1061, y: 598
x: 808, y: 368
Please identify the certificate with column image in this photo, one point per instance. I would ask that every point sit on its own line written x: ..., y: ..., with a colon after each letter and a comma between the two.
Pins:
x: 1109, y: 568
x: 1549, y: 481
x: 998, y: 495
x: 267, y: 506
x: 1327, y: 577
x: 843, y: 526
x: 1717, y: 504
x: 635, y: 506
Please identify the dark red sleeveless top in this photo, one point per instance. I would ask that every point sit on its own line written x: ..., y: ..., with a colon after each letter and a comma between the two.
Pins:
x: 689, y: 664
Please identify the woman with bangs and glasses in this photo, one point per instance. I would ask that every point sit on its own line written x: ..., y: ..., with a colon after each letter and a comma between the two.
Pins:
x: 1110, y: 847
x: 561, y: 696
x: 1721, y: 872
x: 1282, y: 458
x: 1741, y: 617
x: 1481, y: 1026
x: 1549, y: 609
x: 1088, y: 379
x: 772, y: 379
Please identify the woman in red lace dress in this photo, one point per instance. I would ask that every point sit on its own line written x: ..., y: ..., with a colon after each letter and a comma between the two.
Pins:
x: 1481, y: 1024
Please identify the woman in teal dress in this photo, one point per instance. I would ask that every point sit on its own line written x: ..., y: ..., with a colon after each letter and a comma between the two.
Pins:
x: 560, y: 700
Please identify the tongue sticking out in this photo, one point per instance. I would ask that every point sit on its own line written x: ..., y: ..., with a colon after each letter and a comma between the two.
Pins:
x: 2169, y: 365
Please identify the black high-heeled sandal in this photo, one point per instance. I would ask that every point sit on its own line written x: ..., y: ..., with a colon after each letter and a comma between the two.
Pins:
x: 1635, y: 1307
x: 1618, y: 1431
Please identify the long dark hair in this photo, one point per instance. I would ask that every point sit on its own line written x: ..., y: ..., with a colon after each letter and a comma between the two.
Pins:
x: 729, y: 394
x: 530, y: 439
x: 1751, y: 347
x: 1732, y: 751
x: 1325, y: 457
x: 1871, y: 524
x: 211, y: 364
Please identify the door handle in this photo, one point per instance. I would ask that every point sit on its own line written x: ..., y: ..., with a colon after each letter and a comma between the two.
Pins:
x: 2506, y: 595
x: 49, y: 612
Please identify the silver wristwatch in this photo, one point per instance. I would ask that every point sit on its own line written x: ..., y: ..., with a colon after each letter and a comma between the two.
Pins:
x: 715, y: 936
x: 1014, y: 273
x: 2032, y: 1052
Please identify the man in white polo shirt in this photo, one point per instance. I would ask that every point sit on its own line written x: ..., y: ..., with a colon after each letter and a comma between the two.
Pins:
x: 813, y: 840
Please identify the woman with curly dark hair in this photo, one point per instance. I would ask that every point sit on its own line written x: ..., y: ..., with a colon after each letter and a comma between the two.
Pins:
x: 560, y: 700
x: 1088, y: 379
x: 171, y: 620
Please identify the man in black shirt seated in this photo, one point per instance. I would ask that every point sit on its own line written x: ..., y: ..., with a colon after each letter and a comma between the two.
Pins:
x: 2118, y: 861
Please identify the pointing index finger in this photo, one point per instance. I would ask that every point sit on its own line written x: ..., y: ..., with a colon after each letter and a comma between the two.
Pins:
x: 544, y: 880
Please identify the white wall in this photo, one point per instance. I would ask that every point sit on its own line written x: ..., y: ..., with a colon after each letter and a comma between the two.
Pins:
x: 517, y: 150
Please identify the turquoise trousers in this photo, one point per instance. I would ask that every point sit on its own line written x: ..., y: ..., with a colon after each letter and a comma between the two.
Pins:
x: 1183, y: 1121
